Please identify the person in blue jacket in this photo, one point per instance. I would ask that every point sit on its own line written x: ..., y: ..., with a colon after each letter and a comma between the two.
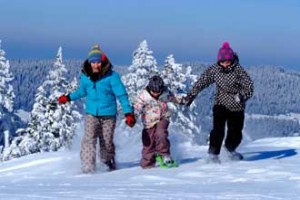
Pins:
x: 101, y: 86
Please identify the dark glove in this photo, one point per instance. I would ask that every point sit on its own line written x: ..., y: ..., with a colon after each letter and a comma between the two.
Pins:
x: 63, y: 99
x: 130, y: 119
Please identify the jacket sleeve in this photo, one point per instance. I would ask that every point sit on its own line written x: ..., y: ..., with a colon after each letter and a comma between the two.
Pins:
x: 80, y: 91
x: 206, y: 79
x: 246, y: 83
x: 120, y: 92
x: 168, y: 96
x: 139, y: 105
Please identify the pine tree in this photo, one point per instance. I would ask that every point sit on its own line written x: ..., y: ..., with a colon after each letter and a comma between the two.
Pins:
x: 8, y: 121
x: 51, y: 126
x: 69, y: 117
x: 173, y: 75
x: 142, y: 68
x: 61, y: 118
x: 177, y: 81
x: 6, y: 89
x: 28, y: 140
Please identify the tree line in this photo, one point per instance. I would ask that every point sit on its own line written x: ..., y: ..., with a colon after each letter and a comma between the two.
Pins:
x: 33, y: 86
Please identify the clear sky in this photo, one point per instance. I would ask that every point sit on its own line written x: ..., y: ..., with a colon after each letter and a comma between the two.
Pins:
x: 261, y: 31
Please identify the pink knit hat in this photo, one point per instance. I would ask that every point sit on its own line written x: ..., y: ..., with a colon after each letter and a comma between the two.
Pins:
x: 225, y: 53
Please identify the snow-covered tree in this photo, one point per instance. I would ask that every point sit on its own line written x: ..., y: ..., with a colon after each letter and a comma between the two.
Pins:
x: 6, y: 89
x: 142, y: 68
x: 173, y: 75
x: 69, y: 117
x: 27, y: 140
x: 51, y: 126
x: 9, y: 122
x: 177, y: 81
x: 62, y: 119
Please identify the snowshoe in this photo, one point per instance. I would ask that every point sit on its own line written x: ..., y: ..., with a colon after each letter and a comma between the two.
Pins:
x: 165, y: 161
x: 213, y: 158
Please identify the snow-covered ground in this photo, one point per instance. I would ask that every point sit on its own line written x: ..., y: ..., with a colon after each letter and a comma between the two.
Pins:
x: 271, y: 170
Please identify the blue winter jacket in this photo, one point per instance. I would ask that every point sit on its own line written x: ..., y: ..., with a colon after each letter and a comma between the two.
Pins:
x: 102, y: 92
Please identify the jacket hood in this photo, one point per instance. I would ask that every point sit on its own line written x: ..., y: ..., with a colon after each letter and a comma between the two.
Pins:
x: 87, y: 69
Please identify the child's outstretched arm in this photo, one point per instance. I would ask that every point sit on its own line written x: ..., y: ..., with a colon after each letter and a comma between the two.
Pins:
x: 168, y: 96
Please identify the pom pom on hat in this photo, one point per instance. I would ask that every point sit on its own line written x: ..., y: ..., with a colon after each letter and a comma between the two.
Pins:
x: 225, y: 45
x: 225, y: 53
x: 96, y: 55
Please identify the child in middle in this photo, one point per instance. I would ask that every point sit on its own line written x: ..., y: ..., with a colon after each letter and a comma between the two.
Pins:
x: 152, y: 105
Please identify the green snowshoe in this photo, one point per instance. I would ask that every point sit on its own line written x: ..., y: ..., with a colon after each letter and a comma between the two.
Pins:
x: 165, y: 162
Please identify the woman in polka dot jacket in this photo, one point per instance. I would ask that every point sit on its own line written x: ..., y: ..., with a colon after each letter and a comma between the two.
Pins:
x: 234, y: 88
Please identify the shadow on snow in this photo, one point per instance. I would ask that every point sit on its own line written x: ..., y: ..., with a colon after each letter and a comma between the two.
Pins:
x: 261, y: 155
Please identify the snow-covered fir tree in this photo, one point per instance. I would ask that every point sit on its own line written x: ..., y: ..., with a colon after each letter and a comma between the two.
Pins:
x: 28, y: 140
x: 69, y: 117
x: 177, y: 81
x: 6, y: 89
x: 172, y: 75
x: 142, y: 68
x: 62, y: 119
x: 51, y: 126
x: 8, y: 120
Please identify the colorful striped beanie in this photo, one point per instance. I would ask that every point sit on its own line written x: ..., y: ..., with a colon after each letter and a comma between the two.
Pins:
x: 96, y: 55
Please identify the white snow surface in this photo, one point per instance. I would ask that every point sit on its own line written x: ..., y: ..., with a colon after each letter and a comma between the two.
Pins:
x: 271, y: 170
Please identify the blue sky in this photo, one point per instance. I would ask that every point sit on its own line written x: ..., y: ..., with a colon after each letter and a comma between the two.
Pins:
x: 261, y: 31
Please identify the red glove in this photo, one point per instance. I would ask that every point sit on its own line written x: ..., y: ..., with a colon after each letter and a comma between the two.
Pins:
x: 63, y: 99
x: 130, y: 119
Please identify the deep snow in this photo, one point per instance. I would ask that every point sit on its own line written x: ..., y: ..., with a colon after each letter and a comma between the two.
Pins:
x: 271, y: 170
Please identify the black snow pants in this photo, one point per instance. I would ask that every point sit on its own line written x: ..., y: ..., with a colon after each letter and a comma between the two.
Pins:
x: 235, y: 124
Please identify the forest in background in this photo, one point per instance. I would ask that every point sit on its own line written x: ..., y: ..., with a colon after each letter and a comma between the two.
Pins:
x: 275, y: 92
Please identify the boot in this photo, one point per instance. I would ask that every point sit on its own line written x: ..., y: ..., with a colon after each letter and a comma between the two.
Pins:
x: 233, y: 155
x: 111, y: 164
x: 213, y: 158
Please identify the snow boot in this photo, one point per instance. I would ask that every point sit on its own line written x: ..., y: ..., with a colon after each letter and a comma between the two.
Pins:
x: 165, y: 161
x: 234, y: 156
x: 213, y: 158
x: 111, y: 165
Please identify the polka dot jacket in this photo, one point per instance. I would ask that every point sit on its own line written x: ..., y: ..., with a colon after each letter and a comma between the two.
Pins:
x: 231, y: 82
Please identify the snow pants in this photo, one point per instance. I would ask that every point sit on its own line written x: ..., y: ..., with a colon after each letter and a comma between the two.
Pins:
x: 97, y: 127
x: 235, y: 124
x: 155, y: 140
